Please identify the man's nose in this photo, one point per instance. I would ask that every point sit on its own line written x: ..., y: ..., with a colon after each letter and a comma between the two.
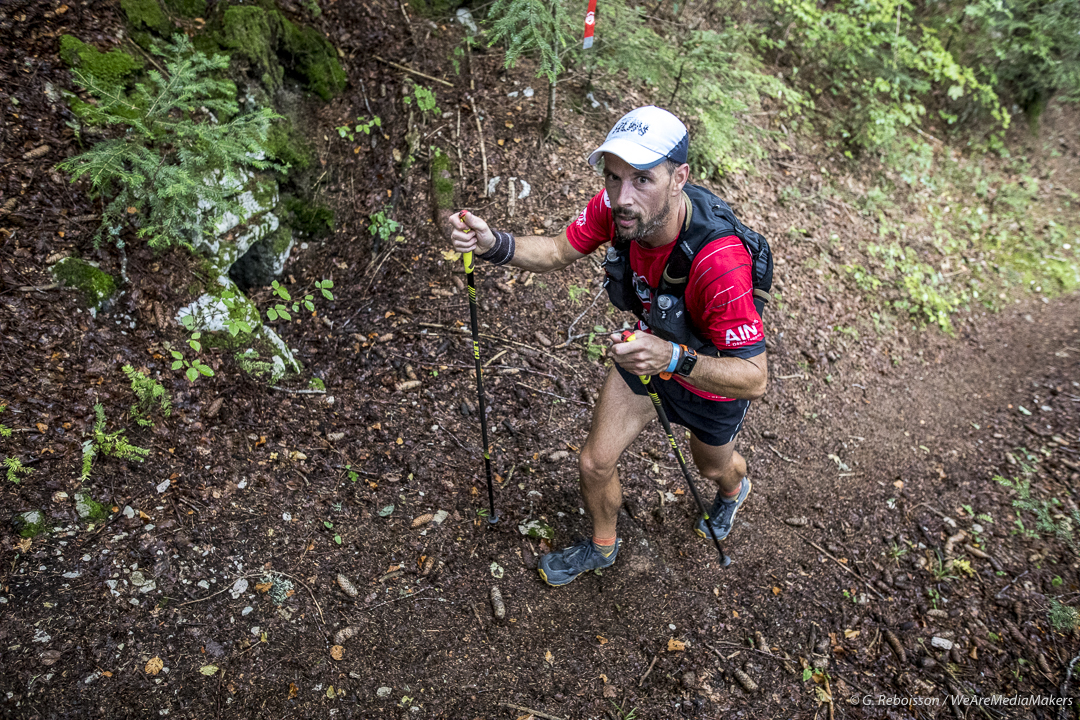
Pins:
x: 625, y: 197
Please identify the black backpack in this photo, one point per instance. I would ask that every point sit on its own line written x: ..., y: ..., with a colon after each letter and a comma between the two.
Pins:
x: 709, y: 218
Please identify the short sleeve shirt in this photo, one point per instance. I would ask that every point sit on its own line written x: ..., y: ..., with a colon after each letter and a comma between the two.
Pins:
x: 719, y: 294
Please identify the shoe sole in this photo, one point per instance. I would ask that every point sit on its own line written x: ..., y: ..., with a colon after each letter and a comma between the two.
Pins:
x: 709, y: 537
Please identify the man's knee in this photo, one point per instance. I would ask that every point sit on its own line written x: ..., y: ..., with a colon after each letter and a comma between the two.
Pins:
x: 594, y: 467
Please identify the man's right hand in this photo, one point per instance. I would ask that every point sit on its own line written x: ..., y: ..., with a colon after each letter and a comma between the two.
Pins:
x: 471, y: 234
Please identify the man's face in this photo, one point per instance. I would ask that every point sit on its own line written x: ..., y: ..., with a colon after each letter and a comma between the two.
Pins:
x: 641, y: 200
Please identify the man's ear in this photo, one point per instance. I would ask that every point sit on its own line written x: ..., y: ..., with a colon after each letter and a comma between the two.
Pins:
x: 681, y: 176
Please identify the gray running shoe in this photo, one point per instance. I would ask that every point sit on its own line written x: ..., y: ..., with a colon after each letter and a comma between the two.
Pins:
x: 722, y: 514
x: 561, y: 567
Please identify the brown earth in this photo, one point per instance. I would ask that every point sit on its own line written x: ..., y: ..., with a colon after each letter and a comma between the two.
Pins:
x: 868, y: 445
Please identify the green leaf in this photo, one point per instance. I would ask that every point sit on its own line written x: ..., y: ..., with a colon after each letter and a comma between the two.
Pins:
x: 337, y: 539
x: 195, y: 345
x: 177, y: 355
x: 328, y: 295
x: 329, y: 525
x: 177, y: 364
x: 284, y: 313
x: 309, y: 305
x: 192, y: 374
x: 206, y: 370
x: 386, y: 511
x: 271, y: 314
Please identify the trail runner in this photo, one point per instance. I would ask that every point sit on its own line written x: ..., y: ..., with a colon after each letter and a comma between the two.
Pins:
x: 647, y: 207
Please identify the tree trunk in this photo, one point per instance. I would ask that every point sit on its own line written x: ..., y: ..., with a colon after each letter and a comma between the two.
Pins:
x: 550, y: 119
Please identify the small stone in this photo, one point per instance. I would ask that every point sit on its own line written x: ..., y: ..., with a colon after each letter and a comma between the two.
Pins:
x: 163, y: 486
x: 203, y: 584
x: 129, y: 512
x: 440, y: 517
x: 542, y: 339
x: 797, y: 521
x: 941, y: 643
x: 255, y: 630
x: 246, y: 611
x: 239, y: 588
x: 557, y: 456
x: 384, y: 692
x: 137, y: 579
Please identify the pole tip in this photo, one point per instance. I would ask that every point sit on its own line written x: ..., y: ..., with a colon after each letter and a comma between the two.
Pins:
x: 493, y: 519
x: 725, y: 560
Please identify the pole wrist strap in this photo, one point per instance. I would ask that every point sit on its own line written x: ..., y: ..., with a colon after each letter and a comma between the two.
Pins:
x: 502, y: 251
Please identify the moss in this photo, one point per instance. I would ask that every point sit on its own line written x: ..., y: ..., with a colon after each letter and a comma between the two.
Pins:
x: 30, y: 524
x: 110, y: 68
x: 309, y: 218
x: 315, y: 58
x: 146, y: 14
x: 442, y: 182
x: 286, y: 145
x: 250, y: 32
x: 88, y: 509
x: 187, y: 8
x: 267, y: 39
x: 95, y: 285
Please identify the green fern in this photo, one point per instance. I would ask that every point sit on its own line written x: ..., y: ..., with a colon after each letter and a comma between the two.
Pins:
x: 15, y: 468
x: 150, y: 395
x: 5, y: 431
x: 185, y: 148
x: 1051, y: 518
x: 111, y: 444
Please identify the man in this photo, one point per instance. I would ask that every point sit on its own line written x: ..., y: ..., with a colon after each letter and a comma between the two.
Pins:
x: 645, y: 207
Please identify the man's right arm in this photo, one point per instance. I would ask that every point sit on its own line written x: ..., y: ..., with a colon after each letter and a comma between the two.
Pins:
x: 535, y: 253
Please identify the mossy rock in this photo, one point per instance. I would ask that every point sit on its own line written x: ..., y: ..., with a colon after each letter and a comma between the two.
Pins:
x: 187, y: 8
x: 110, y: 68
x: 88, y: 509
x: 272, y: 43
x: 264, y: 261
x: 97, y: 286
x: 30, y: 524
x: 147, y: 15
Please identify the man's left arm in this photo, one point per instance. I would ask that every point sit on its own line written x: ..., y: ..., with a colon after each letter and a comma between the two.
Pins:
x: 733, y: 377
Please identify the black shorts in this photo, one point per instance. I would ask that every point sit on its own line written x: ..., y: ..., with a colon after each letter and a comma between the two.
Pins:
x: 714, y: 422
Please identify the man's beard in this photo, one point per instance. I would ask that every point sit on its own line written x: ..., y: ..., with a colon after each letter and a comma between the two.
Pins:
x: 642, y: 228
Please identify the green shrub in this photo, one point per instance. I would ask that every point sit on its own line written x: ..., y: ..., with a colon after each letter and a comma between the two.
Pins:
x: 879, y: 64
x: 154, y: 176
x: 1052, y: 519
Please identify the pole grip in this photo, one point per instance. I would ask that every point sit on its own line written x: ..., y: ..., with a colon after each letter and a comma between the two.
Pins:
x: 467, y: 258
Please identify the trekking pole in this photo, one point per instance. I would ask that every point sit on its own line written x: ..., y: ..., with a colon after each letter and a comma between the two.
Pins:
x: 628, y: 336
x: 468, y: 258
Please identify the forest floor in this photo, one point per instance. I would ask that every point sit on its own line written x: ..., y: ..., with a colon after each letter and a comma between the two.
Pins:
x: 209, y: 588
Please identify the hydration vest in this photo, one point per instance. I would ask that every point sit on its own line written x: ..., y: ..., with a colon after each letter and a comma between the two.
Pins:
x: 708, y: 218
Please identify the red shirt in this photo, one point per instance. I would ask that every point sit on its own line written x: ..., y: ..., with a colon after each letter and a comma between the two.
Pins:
x: 719, y: 294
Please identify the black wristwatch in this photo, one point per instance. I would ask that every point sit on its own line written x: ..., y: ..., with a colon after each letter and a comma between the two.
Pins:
x: 687, y: 361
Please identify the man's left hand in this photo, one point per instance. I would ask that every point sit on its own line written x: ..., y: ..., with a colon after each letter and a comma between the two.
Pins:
x: 645, y: 354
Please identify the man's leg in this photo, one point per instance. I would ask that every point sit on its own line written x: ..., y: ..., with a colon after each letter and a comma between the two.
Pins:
x: 620, y: 417
x: 727, y: 468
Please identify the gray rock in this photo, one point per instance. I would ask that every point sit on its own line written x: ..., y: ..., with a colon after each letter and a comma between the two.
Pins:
x: 384, y: 692
x: 941, y: 643
x: 137, y: 579
x: 239, y: 588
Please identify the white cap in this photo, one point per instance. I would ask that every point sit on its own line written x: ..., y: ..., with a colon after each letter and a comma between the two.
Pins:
x: 644, y: 137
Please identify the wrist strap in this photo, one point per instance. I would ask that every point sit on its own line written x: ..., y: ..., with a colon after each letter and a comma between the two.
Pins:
x: 676, y: 356
x: 502, y: 251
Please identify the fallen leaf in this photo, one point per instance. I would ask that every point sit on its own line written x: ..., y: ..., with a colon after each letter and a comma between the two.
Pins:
x: 674, y: 645
x: 106, y: 673
x: 293, y: 690
x: 451, y: 256
x: 776, y: 590
x: 852, y: 634
x: 264, y: 587
x: 132, y: 210
x: 604, y: 677
x: 899, y: 484
x: 153, y: 667
x: 24, y: 544
x: 610, y: 691
x: 336, y: 652
x: 208, y: 670
x: 549, y: 658
x: 143, y: 516
x: 603, y: 640
x: 42, y: 427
